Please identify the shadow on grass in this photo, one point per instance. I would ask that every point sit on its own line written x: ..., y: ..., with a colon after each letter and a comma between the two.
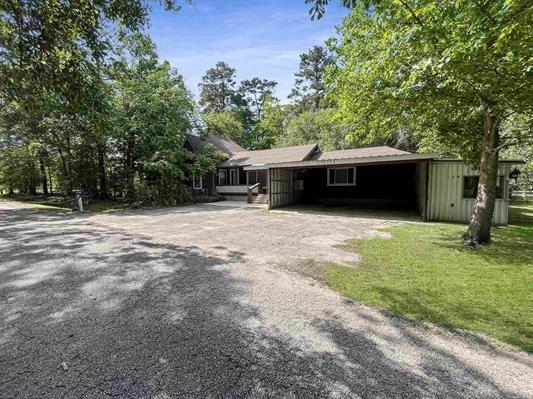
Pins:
x: 93, y: 312
x: 510, y: 245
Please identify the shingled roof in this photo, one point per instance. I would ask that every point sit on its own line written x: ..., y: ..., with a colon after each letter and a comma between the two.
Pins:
x: 272, y: 156
x: 382, y: 151
x: 220, y: 143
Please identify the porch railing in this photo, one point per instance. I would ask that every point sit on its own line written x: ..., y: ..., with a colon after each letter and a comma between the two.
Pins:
x: 250, y: 192
x: 241, y: 189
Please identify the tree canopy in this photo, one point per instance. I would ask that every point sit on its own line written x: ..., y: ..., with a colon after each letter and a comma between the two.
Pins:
x: 309, y: 92
x: 450, y: 73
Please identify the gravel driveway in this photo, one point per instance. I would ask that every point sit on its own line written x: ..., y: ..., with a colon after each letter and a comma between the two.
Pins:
x: 195, y: 302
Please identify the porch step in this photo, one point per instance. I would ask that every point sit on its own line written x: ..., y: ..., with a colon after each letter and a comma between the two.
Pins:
x: 260, y: 199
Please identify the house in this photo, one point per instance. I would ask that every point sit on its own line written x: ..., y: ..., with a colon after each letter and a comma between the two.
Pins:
x: 196, y: 144
x: 375, y: 177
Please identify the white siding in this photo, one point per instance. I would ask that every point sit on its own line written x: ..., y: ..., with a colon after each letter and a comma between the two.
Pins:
x: 446, y: 200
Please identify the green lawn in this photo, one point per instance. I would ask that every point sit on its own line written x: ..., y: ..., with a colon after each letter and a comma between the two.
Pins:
x: 60, y: 203
x: 66, y: 204
x: 425, y: 273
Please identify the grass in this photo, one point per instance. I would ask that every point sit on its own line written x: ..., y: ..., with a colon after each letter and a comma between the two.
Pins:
x: 424, y: 272
x: 60, y: 203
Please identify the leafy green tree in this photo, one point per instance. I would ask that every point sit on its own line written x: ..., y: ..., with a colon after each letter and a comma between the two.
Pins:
x: 43, y: 44
x: 225, y: 123
x: 452, y: 71
x: 254, y: 92
x: 152, y: 115
x: 272, y: 123
x: 315, y: 127
x: 318, y: 7
x: 207, y: 162
x: 217, y: 90
x: 524, y: 152
x: 309, y: 92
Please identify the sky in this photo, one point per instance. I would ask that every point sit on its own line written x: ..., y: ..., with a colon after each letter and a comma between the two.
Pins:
x: 262, y: 38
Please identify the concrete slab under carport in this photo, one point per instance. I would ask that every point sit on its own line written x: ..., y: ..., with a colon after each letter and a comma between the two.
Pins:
x: 353, y: 212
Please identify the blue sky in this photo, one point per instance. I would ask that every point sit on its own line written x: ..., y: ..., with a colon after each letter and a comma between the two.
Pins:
x: 262, y: 38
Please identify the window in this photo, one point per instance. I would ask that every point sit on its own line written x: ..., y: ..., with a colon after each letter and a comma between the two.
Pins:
x: 234, y: 177
x: 341, y: 177
x: 252, y: 177
x: 222, y: 178
x: 197, y: 183
x: 470, y: 184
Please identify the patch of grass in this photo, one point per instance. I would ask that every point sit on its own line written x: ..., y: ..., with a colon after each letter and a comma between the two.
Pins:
x: 424, y: 272
x: 55, y: 203
x: 60, y: 203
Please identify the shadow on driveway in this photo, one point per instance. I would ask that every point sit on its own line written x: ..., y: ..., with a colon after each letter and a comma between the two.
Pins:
x: 92, y: 312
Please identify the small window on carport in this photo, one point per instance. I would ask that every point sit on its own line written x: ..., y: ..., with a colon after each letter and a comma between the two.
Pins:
x: 341, y: 176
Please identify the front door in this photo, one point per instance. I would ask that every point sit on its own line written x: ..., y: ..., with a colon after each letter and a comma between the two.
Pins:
x: 234, y: 177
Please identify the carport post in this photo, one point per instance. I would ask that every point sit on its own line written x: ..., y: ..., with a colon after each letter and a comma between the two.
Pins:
x: 269, y: 189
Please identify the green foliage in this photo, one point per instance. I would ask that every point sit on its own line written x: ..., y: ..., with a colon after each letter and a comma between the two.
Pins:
x: 315, y: 127
x: 217, y: 90
x: 45, y: 46
x: 126, y: 137
x: 309, y: 92
x: 226, y: 123
x: 422, y: 272
x: 18, y: 167
x: 153, y: 113
x: 207, y: 161
x: 272, y: 123
x: 432, y: 69
x: 255, y: 92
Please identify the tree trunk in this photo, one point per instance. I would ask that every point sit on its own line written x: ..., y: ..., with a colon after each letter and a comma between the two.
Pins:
x: 66, y: 174
x: 102, y: 178
x: 130, y: 170
x: 44, y: 181
x: 479, y: 228
x: 50, y: 181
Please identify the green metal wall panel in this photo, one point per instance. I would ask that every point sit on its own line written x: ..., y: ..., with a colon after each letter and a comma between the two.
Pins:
x: 446, y: 200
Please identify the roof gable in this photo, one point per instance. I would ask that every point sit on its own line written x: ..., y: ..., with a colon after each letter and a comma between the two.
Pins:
x: 222, y: 144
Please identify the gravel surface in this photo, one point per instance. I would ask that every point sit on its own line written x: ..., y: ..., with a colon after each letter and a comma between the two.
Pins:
x: 192, y: 302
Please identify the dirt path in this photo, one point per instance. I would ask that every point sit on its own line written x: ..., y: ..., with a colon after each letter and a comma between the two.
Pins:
x: 253, y: 235
x: 141, y: 307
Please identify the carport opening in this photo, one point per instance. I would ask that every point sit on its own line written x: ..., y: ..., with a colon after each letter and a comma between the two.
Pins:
x: 395, y: 187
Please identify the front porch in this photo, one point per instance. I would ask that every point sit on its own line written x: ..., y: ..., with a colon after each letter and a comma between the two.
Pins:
x: 237, y: 184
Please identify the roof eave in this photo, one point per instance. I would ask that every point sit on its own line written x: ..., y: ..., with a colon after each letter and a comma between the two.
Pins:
x: 354, y: 161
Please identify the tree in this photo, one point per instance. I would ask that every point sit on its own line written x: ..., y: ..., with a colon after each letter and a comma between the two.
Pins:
x: 226, y: 123
x: 153, y: 115
x: 272, y: 124
x: 309, y: 92
x: 218, y: 88
x: 318, y: 7
x: 315, y: 127
x: 254, y: 92
x: 43, y: 43
x: 523, y: 152
x: 454, y: 72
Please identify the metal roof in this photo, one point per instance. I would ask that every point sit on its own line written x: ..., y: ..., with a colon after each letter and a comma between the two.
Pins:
x: 405, y: 157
